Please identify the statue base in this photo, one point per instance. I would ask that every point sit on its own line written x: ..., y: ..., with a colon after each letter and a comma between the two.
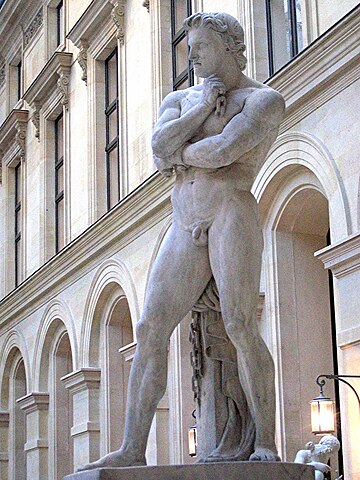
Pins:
x: 204, y: 471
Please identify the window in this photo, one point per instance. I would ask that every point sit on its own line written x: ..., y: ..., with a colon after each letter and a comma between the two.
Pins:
x: 18, y: 223
x: 19, y: 79
x: 112, y: 130
x: 183, y: 73
x: 59, y: 185
x: 284, y: 26
x: 60, y: 23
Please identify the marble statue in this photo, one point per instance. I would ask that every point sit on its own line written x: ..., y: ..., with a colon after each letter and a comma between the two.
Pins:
x: 319, y: 454
x: 213, y: 137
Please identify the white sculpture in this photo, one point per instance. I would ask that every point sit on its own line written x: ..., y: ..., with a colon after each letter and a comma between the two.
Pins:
x: 214, y: 137
x: 319, y: 454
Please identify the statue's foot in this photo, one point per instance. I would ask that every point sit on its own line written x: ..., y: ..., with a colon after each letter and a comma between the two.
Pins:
x: 115, y: 459
x: 240, y: 455
x: 263, y: 454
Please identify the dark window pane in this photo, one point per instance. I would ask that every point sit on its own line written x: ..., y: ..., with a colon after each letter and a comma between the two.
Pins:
x: 112, y: 79
x: 17, y: 221
x: 113, y: 166
x: 60, y: 179
x: 60, y: 230
x: 181, y: 55
x: 18, y: 266
x: 60, y: 23
x: 299, y: 25
x: 180, y: 13
x: 113, y: 125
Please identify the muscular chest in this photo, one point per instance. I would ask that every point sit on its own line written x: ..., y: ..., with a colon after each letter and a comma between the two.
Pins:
x: 215, y: 124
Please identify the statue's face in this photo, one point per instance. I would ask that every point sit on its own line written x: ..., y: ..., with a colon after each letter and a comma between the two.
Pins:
x: 207, y: 51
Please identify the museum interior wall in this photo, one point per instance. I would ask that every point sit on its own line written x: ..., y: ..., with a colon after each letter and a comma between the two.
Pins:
x: 83, y: 213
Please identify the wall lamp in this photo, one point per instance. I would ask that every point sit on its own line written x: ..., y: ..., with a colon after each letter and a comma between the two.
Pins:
x: 323, y: 408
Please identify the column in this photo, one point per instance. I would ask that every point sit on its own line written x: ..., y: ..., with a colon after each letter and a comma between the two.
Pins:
x: 36, y: 408
x: 84, y: 387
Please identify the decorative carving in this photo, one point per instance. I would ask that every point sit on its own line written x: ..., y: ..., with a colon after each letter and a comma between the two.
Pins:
x: 82, y: 59
x: 146, y: 4
x: 63, y: 86
x: 2, y: 75
x: 20, y: 137
x: 33, y: 27
x: 35, y: 118
x: 118, y: 15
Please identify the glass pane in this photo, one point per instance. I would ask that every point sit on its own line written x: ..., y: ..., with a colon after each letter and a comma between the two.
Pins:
x: 181, y: 55
x: 113, y: 177
x: 113, y: 125
x: 17, y: 222
x: 60, y: 137
x: 299, y: 25
x: 112, y: 79
x: 180, y: 14
x: 280, y: 22
x: 18, y: 183
x: 60, y: 23
x: 18, y: 265
x: 60, y: 232
x: 60, y: 179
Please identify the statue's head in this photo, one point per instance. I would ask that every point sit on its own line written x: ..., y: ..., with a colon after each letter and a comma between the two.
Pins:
x: 329, y: 443
x: 227, y: 27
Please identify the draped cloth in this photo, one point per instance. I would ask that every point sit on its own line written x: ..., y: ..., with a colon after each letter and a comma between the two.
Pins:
x: 208, y: 337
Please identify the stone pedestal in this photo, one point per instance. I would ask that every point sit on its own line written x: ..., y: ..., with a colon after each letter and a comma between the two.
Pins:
x: 216, y: 471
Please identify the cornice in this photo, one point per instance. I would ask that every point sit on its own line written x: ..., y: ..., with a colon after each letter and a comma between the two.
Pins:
x: 13, y: 131
x: 343, y: 258
x: 318, y: 73
x: 83, y: 379
x: 34, y: 402
x: 90, y: 22
x: 139, y: 211
x: 55, y: 74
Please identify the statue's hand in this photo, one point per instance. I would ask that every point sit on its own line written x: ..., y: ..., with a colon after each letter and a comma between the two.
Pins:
x: 322, y: 467
x: 214, y: 94
x: 164, y: 166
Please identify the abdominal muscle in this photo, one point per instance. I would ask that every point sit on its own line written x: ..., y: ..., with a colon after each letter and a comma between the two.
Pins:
x: 199, y: 194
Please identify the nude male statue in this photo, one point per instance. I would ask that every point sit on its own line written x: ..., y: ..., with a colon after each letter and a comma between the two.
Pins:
x: 213, y: 137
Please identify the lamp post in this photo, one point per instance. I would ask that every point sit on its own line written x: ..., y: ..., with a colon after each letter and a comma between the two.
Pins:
x: 323, y: 408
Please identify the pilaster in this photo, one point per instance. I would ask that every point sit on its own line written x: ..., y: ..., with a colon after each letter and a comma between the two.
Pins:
x: 4, y: 444
x: 84, y: 387
x: 36, y: 408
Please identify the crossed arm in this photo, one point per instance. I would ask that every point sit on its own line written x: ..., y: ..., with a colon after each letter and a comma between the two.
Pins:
x: 263, y: 111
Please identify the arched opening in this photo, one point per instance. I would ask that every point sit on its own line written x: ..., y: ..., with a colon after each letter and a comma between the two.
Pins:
x: 56, y: 362
x: 306, y: 344
x: 61, y: 407
x: 112, y: 348
x: 14, y: 388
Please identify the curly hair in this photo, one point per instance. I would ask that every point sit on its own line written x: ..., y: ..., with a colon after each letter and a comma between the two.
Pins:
x: 227, y: 27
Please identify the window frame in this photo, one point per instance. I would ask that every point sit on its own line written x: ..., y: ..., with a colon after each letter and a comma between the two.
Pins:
x: 176, y: 38
x: 111, y: 144
x: 59, y: 195
x: 60, y: 23
x: 17, y: 216
x: 294, y: 44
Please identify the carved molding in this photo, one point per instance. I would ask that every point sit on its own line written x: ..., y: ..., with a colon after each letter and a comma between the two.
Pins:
x: 34, y: 26
x: 63, y: 87
x: 2, y: 75
x: 35, y: 118
x: 82, y: 60
x: 13, y: 135
x: 118, y: 16
x: 55, y: 75
x: 146, y: 4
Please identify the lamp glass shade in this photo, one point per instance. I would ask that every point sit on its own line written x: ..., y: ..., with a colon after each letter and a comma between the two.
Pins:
x: 322, y: 415
x: 192, y: 436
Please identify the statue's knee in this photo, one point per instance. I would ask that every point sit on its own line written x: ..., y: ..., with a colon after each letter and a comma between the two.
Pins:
x: 235, y: 328
x: 149, y: 334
